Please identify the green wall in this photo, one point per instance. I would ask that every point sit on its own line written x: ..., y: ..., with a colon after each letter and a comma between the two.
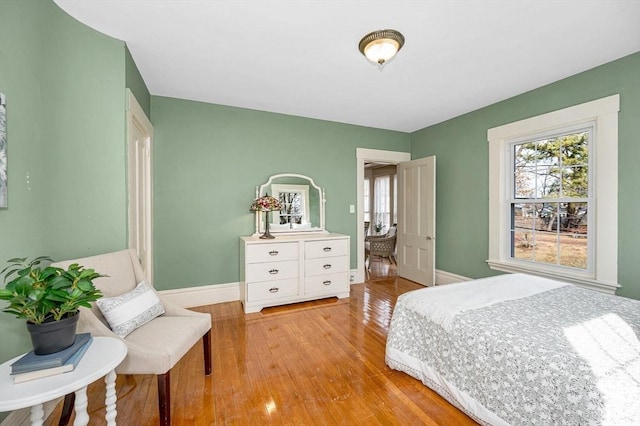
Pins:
x: 208, y: 160
x: 65, y: 87
x: 66, y: 155
x: 134, y: 81
x: 462, y: 152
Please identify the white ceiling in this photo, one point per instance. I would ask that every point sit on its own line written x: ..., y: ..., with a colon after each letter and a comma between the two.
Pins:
x: 301, y: 57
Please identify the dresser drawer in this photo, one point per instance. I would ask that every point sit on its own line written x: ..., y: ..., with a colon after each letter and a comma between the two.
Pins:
x: 327, y: 265
x: 330, y: 283
x: 326, y: 248
x: 256, y: 253
x: 269, y: 271
x: 271, y: 290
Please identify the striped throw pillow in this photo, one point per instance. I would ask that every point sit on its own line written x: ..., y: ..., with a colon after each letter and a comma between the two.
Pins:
x: 131, y: 310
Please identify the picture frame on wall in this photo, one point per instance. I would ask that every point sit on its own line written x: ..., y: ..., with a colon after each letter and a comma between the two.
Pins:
x: 3, y: 152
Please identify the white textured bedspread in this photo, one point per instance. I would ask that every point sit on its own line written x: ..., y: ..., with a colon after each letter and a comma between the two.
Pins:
x: 522, y: 350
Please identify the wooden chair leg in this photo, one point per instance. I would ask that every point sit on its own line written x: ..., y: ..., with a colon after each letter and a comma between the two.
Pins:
x: 164, y: 398
x: 67, y: 409
x: 206, y: 342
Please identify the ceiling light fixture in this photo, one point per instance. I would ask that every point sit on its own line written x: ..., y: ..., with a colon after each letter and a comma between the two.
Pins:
x: 380, y: 46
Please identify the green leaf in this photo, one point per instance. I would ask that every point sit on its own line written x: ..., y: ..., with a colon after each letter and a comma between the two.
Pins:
x: 49, y: 271
x: 23, y: 272
x: 23, y: 285
x: 86, y: 273
x: 59, y: 282
x: 57, y: 297
x: 85, y: 285
x: 76, y: 293
x: 36, y: 294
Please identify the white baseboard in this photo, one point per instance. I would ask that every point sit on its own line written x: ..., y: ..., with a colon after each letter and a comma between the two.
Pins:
x: 230, y: 292
x: 444, y: 277
x: 203, y: 295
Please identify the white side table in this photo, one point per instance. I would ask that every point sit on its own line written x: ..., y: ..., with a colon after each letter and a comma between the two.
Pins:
x: 100, y: 360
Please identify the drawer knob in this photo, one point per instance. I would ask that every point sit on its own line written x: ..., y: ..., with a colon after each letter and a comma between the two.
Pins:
x: 274, y: 271
x: 274, y: 290
x: 327, y: 282
x: 327, y: 266
x: 327, y: 249
x: 274, y: 252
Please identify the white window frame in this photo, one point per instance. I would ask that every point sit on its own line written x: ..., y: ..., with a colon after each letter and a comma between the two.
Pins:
x: 276, y: 189
x: 604, y: 159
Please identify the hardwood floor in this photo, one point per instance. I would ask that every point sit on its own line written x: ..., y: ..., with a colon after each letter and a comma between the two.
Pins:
x: 379, y: 268
x: 314, y: 363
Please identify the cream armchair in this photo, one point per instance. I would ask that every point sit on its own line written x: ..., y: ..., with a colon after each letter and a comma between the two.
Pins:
x: 153, y: 348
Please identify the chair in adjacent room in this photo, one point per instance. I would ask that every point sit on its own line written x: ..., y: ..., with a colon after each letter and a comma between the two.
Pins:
x: 154, y: 347
x: 383, y: 246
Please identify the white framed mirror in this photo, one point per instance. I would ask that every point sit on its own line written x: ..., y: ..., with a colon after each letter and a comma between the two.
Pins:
x: 302, y: 204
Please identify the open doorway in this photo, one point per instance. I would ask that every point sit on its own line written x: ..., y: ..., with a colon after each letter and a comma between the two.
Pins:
x: 372, y: 156
x: 380, y: 203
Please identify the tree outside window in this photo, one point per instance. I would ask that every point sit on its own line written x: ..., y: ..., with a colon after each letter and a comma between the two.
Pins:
x: 550, y: 199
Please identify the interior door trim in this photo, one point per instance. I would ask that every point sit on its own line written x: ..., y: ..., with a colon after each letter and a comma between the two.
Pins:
x: 369, y: 155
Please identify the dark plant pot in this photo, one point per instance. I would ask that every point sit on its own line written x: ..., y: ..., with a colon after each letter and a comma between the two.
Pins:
x: 54, y: 336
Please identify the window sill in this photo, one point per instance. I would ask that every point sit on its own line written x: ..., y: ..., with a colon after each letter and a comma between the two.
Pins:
x: 581, y: 281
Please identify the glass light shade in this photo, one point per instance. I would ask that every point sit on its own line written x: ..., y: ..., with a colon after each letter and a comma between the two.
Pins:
x: 380, y: 51
x: 266, y: 203
x: 382, y: 45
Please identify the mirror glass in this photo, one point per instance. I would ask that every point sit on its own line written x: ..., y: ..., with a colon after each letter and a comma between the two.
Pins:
x: 302, y: 204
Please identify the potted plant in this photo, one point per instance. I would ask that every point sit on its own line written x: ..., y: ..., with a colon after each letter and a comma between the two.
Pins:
x: 49, y: 299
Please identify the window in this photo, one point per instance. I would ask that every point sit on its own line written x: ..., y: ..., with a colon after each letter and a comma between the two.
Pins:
x: 367, y: 201
x: 294, y: 200
x: 549, y: 199
x: 292, y: 208
x: 382, y: 200
x: 545, y: 213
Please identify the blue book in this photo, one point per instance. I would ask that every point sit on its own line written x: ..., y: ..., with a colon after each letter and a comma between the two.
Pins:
x: 70, y: 365
x: 31, y: 361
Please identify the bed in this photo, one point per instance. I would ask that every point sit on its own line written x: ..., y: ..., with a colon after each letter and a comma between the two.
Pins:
x: 522, y: 350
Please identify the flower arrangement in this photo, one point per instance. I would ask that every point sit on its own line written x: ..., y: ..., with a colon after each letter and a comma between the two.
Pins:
x: 266, y: 203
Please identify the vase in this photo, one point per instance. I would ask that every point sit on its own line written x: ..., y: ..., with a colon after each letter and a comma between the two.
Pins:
x: 53, y: 336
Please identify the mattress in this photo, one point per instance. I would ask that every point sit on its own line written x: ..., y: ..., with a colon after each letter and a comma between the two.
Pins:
x: 521, y: 350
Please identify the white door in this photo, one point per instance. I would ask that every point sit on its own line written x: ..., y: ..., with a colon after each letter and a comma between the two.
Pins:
x: 416, y: 246
x: 140, y: 138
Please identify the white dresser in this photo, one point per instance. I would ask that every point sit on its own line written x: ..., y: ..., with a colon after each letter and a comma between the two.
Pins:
x: 293, y: 268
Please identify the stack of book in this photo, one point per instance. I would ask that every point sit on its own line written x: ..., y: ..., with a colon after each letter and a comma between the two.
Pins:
x: 32, y: 366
